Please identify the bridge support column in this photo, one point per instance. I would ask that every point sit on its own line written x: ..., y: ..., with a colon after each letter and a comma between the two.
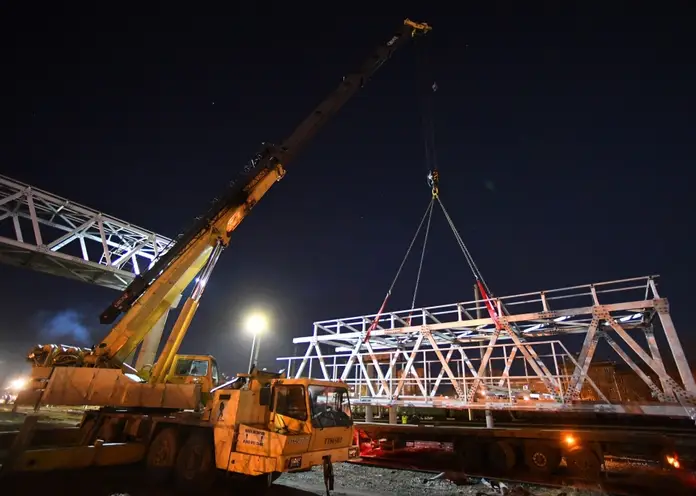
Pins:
x: 489, y: 419
x: 392, y: 414
x: 148, y: 350
x: 369, y: 414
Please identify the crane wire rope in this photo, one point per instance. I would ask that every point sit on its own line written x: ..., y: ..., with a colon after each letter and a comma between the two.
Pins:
x: 433, y: 174
x: 422, y: 257
x: 428, y: 87
x: 428, y: 130
x: 375, y: 322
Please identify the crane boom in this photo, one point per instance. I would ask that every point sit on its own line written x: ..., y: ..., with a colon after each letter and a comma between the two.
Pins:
x: 154, y: 291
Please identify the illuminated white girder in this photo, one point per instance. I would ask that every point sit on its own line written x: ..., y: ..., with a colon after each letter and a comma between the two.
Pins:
x: 47, y: 233
x: 442, y: 356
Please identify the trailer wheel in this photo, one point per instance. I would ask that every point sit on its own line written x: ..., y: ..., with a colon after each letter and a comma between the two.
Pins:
x: 501, y: 456
x: 583, y: 462
x: 195, y: 464
x: 541, y: 458
x: 469, y: 455
x: 161, y: 455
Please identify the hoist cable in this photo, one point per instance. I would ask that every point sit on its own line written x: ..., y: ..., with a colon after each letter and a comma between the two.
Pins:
x: 373, y: 326
x: 467, y: 254
x: 487, y: 294
x: 428, y: 87
x: 420, y: 264
x: 422, y: 257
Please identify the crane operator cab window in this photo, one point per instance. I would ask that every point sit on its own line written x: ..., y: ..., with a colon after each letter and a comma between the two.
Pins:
x: 291, y: 402
x: 330, y: 406
x: 191, y: 367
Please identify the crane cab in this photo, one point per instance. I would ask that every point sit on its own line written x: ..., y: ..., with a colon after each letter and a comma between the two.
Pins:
x: 309, y: 406
x: 273, y: 424
x: 194, y: 369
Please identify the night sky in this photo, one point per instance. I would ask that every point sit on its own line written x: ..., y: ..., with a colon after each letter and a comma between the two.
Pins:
x: 564, y: 140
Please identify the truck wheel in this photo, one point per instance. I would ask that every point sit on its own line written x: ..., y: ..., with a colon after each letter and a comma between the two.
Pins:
x: 261, y: 484
x: 161, y: 455
x: 583, y: 462
x: 468, y: 454
x: 501, y: 456
x: 541, y: 458
x: 195, y: 465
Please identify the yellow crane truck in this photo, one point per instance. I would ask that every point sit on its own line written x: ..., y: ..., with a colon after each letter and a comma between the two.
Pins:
x: 179, y: 416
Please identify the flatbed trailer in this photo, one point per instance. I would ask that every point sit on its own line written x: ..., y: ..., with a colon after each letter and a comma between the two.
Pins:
x: 539, y: 449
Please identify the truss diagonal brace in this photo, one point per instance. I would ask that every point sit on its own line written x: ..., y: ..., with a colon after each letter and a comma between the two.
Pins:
x: 646, y: 379
x: 445, y: 364
x: 409, y: 365
x: 586, y: 354
x: 656, y: 365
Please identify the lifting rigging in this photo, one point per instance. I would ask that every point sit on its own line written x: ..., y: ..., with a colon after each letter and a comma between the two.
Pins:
x: 429, y: 88
x: 433, y: 179
x: 486, y: 295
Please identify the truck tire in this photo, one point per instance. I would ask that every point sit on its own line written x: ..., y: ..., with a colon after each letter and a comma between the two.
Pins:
x: 261, y: 484
x: 583, y: 462
x: 501, y: 456
x: 541, y: 458
x: 161, y: 455
x: 195, y: 464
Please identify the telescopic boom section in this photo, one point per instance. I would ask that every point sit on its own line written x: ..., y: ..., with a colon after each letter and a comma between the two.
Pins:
x: 152, y: 293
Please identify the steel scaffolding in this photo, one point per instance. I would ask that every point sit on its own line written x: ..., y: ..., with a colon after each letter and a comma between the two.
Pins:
x: 455, y: 356
x: 47, y: 233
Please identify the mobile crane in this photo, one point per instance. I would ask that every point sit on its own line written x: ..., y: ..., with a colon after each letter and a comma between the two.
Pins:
x: 179, y: 415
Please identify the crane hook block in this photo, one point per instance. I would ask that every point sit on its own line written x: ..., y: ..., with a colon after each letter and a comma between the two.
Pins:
x: 434, y: 182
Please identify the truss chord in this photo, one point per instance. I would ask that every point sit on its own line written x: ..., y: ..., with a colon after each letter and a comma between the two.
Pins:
x: 48, y: 233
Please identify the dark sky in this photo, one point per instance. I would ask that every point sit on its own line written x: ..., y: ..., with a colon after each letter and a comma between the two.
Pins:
x: 564, y: 140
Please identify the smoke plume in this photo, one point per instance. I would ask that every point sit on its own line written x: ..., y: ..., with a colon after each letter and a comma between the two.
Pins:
x: 66, y: 327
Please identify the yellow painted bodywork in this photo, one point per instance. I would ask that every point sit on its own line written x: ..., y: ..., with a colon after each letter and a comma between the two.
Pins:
x: 252, y: 440
x: 77, y: 386
x: 130, y: 331
x: 75, y: 457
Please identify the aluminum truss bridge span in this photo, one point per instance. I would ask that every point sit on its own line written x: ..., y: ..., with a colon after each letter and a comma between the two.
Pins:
x: 455, y: 357
x: 47, y: 233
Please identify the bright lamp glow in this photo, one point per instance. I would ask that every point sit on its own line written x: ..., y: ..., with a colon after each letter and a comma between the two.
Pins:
x: 18, y: 383
x: 256, y: 323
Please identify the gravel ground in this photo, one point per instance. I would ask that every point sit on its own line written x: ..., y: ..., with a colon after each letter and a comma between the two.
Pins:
x: 350, y: 480
x: 358, y: 480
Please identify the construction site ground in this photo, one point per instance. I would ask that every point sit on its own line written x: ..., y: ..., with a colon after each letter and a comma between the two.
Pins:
x: 350, y: 479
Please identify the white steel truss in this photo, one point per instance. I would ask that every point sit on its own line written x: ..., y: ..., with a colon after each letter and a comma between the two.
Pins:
x: 455, y: 357
x: 47, y: 233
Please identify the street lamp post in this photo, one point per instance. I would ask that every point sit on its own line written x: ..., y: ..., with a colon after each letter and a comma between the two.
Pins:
x: 254, y: 355
x: 256, y: 324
